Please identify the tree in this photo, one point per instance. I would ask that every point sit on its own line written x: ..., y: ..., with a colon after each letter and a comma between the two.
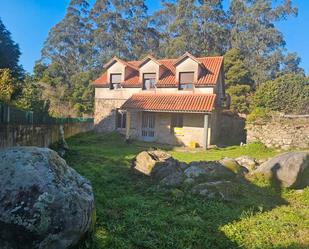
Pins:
x: 288, y: 93
x: 9, y: 52
x: 66, y: 52
x: 254, y: 33
x: 238, y: 81
x: 186, y: 25
x: 6, y: 85
x: 122, y: 28
x: 31, y: 97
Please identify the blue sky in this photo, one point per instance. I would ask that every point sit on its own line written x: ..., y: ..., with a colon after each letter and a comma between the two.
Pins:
x: 30, y: 20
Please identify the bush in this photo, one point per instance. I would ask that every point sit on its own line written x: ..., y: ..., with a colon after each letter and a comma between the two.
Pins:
x: 288, y: 93
x: 259, y: 114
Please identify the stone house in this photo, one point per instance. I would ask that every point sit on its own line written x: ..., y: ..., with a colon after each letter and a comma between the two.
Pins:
x: 171, y: 101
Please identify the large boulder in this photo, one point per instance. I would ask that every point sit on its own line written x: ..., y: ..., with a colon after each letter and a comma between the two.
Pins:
x: 289, y: 169
x: 247, y: 162
x: 43, y: 202
x: 232, y: 165
x: 145, y: 161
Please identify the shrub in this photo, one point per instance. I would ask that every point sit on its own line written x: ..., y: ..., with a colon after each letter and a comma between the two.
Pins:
x: 259, y: 114
x: 288, y: 93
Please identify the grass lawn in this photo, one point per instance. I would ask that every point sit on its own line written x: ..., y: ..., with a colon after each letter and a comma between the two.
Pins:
x: 133, y: 213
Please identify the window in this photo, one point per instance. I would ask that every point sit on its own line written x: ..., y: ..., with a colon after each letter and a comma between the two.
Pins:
x: 176, y: 121
x: 149, y: 81
x: 121, y: 118
x: 115, y: 80
x: 186, y: 81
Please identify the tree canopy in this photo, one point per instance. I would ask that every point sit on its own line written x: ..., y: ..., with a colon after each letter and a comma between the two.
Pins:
x: 91, y: 33
x: 9, y: 52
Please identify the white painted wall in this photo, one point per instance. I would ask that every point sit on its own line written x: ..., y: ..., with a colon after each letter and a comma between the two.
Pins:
x: 125, y: 93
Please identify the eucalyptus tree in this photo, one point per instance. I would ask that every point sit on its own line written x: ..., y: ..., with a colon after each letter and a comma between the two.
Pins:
x: 196, y: 26
x: 253, y: 31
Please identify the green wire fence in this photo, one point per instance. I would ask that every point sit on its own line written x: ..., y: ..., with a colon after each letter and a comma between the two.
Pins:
x: 12, y: 115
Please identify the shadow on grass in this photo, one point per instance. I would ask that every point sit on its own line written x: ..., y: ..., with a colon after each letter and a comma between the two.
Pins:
x: 133, y: 213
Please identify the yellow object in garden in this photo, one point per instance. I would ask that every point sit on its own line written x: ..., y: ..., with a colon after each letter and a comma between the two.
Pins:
x: 192, y: 145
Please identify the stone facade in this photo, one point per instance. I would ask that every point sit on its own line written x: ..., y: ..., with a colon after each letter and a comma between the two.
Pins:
x: 280, y: 133
x: 105, y: 114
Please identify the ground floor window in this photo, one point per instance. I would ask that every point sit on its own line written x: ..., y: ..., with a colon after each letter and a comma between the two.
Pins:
x: 176, y: 121
x: 121, y: 118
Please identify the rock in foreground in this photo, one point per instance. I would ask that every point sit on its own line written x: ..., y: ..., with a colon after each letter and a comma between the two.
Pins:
x: 209, y: 179
x: 146, y: 160
x: 289, y: 169
x: 43, y: 202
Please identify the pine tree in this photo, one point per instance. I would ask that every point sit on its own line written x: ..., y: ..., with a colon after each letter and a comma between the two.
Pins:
x: 239, y: 83
x: 9, y: 52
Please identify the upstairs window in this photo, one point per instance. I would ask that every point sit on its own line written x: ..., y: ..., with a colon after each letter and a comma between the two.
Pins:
x: 186, y: 81
x: 149, y: 81
x: 115, y: 80
x: 121, y: 119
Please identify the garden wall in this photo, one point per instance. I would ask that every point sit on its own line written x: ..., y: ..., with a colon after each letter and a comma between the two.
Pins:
x: 280, y: 132
x: 227, y: 128
x: 41, y: 135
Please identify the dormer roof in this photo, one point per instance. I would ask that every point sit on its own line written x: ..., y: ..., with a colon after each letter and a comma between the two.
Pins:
x: 147, y: 58
x: 186, y: 55
x: 209, y: 75
x: 116, y: 59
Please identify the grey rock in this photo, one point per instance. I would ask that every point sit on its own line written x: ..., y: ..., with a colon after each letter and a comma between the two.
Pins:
x: 289, y: 169
x: 247, y: 162
x: 145, y: 161
x: 43, y: 202
x: 173, y: 180
x: 183, y: 166
x: 232, y: 165
x: 216, y: 171
x: 194, y: 171
x: 189, y: 181
x: 214, y: 190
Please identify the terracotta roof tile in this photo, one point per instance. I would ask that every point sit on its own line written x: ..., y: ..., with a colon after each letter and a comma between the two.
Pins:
x: 184, y: 102
x: 209, y: 75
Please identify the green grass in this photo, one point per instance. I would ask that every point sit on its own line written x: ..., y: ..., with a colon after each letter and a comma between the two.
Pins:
x: 133, y: 213
x: 255, y: 150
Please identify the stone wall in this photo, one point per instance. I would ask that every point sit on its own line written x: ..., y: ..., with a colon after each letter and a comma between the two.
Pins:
x: 105, y: 114
x: 38, y: 135
x: 280, y: 132
x: 227, y: 128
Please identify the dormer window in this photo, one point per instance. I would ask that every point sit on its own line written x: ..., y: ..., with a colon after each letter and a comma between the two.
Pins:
x: 186, y: 80
x: 115, y: 80
x: 149, y: 81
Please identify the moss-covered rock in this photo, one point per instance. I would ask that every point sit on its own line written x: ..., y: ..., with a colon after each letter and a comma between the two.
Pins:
x: 43, y: 202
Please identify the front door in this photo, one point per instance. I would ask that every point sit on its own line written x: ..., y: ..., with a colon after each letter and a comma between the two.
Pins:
x: 148, y: 126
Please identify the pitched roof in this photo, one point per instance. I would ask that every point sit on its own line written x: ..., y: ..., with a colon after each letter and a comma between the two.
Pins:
x: 212, y: 66
x: 110, y: 62
x: 185, y: 102
x: 149, y: 57
x: 185, y: 55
